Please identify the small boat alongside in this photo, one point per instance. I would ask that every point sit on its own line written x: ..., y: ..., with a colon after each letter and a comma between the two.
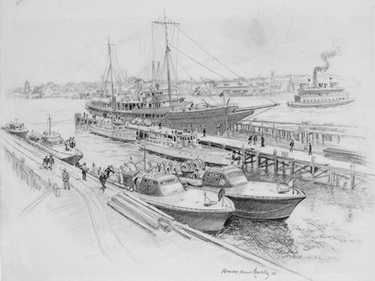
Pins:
x: 254, y: 200
x: 195, y: 208
x: 16, y: 128
x: 54, y: 144
x: 116, y: 130
x: 180, y: 145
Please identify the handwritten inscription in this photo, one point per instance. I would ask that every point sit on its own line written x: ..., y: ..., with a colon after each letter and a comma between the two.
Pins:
x: 260, y: 273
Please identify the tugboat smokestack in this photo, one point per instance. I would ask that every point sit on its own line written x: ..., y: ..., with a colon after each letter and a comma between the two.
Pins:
x: 315, y: 79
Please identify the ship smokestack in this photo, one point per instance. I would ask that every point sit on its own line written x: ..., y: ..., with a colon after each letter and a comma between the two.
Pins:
x: 315, y: 79
x: 325, y: 56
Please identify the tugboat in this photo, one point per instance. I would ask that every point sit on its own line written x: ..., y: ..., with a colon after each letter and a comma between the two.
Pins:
x: 197, y: 208
x: 320, y: 94
x: 253, y: 200
x: 180, y: 145
x: 16, y: 128
x: 54, y: 144
x: 115, y: 130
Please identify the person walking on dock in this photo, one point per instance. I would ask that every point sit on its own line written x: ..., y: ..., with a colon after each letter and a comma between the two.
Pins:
x: 103, y: 179
x: 65, y: 178
x: 310, y: 148
x: 291, y: 145
x: 204, y: 132
x: 262, y: 141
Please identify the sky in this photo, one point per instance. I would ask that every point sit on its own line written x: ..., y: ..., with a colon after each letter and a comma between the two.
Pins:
x: 62, y: 41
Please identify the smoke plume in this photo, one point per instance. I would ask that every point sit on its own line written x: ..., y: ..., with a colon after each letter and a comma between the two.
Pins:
x: 325, y: 56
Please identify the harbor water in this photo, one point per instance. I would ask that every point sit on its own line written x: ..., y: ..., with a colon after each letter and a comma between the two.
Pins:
x: 326, y: 234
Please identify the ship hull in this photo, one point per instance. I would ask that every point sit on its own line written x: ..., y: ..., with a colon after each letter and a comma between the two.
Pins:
x: 214, y: 120
x: 71, y: 157
x: 21, y: 134
x: 184, y: 154
x: 130, y: 136
x: 265, y: 208
x: 321, y: 105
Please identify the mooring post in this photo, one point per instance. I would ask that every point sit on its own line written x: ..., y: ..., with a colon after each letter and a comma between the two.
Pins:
x: 352, y: 176
x: 275, y: 162
x: 312, y: 166
x: 292, y: 168
x: 330, y: 176
x: 257, y: 160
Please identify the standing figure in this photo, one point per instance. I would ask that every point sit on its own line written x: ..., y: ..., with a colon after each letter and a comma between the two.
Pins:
x: 45, y: 162
x: 103, y: 179
x: 250, y: 140
x: 51, y: 161
x: 262, y: 141
x: 65, y: 178
x: 94, y: 170
x: 291, y: 145
x: 84, y: 171
x: 204, y: 132
x: 310, y: 148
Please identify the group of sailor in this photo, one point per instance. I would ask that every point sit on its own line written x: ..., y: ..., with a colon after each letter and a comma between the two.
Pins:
x: 70, y: 143
x: 48, y: 161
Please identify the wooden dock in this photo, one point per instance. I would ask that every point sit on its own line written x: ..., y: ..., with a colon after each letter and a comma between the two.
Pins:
x: 284, y: 161
x: 179, y: 238
x: 304, y: 132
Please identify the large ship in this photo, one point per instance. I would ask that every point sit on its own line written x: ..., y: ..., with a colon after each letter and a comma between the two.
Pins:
x: 320, y: 94
x: 163, y: 108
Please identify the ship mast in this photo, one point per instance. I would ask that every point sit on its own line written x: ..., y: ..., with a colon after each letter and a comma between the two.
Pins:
x: 110, y: 70
x: 165, y: 23
x: 49, y: 125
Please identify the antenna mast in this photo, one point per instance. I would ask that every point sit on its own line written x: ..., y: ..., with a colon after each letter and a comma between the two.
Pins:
x: 167, y: 50
x: 110, y: 69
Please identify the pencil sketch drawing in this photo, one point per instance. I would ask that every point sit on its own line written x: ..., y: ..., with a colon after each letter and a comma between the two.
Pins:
x: 187, y: 140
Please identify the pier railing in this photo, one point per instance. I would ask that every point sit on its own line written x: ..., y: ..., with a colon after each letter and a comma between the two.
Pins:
x: 31, y: 178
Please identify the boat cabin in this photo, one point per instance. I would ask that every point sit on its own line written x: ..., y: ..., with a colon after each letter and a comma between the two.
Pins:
x: 229, y: 176
x: 159, y: 185
x: 54, y: 139
x: 175, y: 137
x: 15, y: 126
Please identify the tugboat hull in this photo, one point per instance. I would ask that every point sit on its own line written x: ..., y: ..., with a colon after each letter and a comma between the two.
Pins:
x: 322, y: 105
x: 21, y: 134
x: 70, y: 157
x: 265, y: 208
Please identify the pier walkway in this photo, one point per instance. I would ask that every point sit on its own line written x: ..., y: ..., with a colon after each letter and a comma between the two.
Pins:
x: 273, y: 155
x: 163, y: 253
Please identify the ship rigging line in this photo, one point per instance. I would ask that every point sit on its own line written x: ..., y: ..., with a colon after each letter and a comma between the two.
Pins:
x: 220, y: 61
x: 197, y: 62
